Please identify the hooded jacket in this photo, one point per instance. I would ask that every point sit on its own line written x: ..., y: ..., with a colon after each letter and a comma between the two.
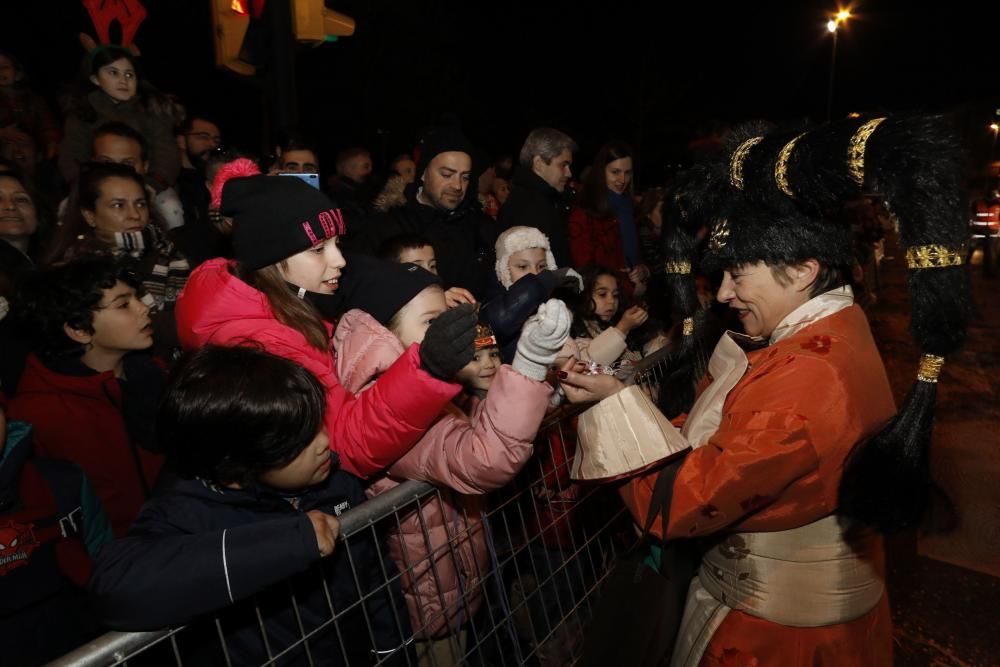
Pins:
x: 470, y: 455
x: 198, y: 547
x: 369, y: 433
x: 80, y: 418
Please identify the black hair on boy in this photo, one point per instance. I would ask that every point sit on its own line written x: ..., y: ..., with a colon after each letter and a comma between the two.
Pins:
x: 232, y: 413
x: 393, y: 247
x: 68, y: 294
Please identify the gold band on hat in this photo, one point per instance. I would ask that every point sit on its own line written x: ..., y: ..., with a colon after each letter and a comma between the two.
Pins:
x: 856, y: 150
x: 781, y: 166
x: 933, y: 257
x: 736, y: 161
x: 680, y: 268
x: 688, y: 326
x: 930, y: 368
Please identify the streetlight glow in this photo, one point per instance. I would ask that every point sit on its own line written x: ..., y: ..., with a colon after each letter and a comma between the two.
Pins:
x: 994, y: 127
x: 836, y: 19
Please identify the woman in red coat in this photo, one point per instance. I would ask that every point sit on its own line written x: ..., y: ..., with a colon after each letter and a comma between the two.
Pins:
x: 602, y: 229
x: 798, y: 462
x: 281, y: 293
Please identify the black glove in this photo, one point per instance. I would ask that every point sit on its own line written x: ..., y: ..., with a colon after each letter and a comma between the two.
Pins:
x: 566, y: 277
x: 449, y: 343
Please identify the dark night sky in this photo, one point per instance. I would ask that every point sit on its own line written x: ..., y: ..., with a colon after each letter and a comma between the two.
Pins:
x: 651, y: 73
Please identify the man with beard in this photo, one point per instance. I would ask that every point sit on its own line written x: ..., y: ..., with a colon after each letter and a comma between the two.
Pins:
x: 440, y: 206
x: 197, y: 138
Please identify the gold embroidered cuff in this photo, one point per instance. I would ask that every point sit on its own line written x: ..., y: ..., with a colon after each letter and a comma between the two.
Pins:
x: 688, y: 326
x: 681, y: 268
x: 930, y: 368
x: 736, y: 161
x: 933, y: 257
x: 781, y: 166
x: 856, y: 150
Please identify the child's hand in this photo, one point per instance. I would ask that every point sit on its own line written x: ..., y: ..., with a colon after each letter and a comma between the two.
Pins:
x: 639, y: 274
x: 542, y: 338
x: 456, y: 296
x: 632, y: 318
x: 327, y: 529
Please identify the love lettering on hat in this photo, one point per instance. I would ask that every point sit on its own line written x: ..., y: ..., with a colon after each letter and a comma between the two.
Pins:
x: 330, y: 221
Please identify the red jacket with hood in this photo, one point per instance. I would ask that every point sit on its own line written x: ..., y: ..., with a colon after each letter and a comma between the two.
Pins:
x: 79, y: 419
x: 368, y: 433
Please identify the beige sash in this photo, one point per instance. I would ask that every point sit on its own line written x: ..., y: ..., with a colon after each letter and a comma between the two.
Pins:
x: 811, y: 576
x: 808, y: 576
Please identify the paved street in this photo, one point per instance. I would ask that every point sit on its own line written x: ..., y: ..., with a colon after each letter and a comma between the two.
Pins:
x: 945, y: 589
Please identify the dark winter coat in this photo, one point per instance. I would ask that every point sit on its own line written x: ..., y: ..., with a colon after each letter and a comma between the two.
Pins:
x: 464, y: 240
x: 535, y: 203
x: 197, y: 548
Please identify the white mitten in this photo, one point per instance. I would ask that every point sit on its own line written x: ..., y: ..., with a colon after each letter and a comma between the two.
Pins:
x: 542, y: 338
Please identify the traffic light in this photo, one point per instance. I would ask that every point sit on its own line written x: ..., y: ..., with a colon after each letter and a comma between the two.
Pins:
x: 230, y: 20
x: 313, y: 22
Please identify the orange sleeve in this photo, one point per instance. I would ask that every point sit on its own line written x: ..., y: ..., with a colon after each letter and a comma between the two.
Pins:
x: 764, y: 455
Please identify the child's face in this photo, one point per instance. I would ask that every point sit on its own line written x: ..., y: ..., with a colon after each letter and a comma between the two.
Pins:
x: 422, y: 256
x: 479, y: 373
x: 523, y: 262
x: 706, y: 295
x: 501, y: 190
x: 416, y: 316
x: 117, y: 80
x: 122, y: 207
x: 605, y: 296
x: 121, y: 323
x: 316, y: 269
x: 310, y: 467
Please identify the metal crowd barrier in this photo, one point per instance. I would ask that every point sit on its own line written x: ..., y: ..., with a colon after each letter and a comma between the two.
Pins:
x: 544, y: 546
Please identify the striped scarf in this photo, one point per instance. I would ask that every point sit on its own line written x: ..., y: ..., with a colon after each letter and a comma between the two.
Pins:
x: 161, y: 268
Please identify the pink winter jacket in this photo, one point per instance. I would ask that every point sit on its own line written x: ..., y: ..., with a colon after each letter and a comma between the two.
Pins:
x: 470, y: 455
x: 217, y: 308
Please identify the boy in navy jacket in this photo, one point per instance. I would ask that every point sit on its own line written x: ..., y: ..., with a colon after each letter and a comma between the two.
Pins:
x: 254, y: 504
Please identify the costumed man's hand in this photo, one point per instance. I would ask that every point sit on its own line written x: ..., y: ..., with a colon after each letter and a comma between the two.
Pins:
x: 581, y: 388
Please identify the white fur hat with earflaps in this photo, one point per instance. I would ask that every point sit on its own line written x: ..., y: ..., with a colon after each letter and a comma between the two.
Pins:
x: 517, y: 239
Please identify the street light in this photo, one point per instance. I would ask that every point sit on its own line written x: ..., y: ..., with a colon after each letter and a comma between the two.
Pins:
x: 995, y: 128
x: 832, y: 25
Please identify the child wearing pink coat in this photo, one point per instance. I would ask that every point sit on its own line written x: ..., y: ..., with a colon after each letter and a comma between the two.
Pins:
x: 470, y: 453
